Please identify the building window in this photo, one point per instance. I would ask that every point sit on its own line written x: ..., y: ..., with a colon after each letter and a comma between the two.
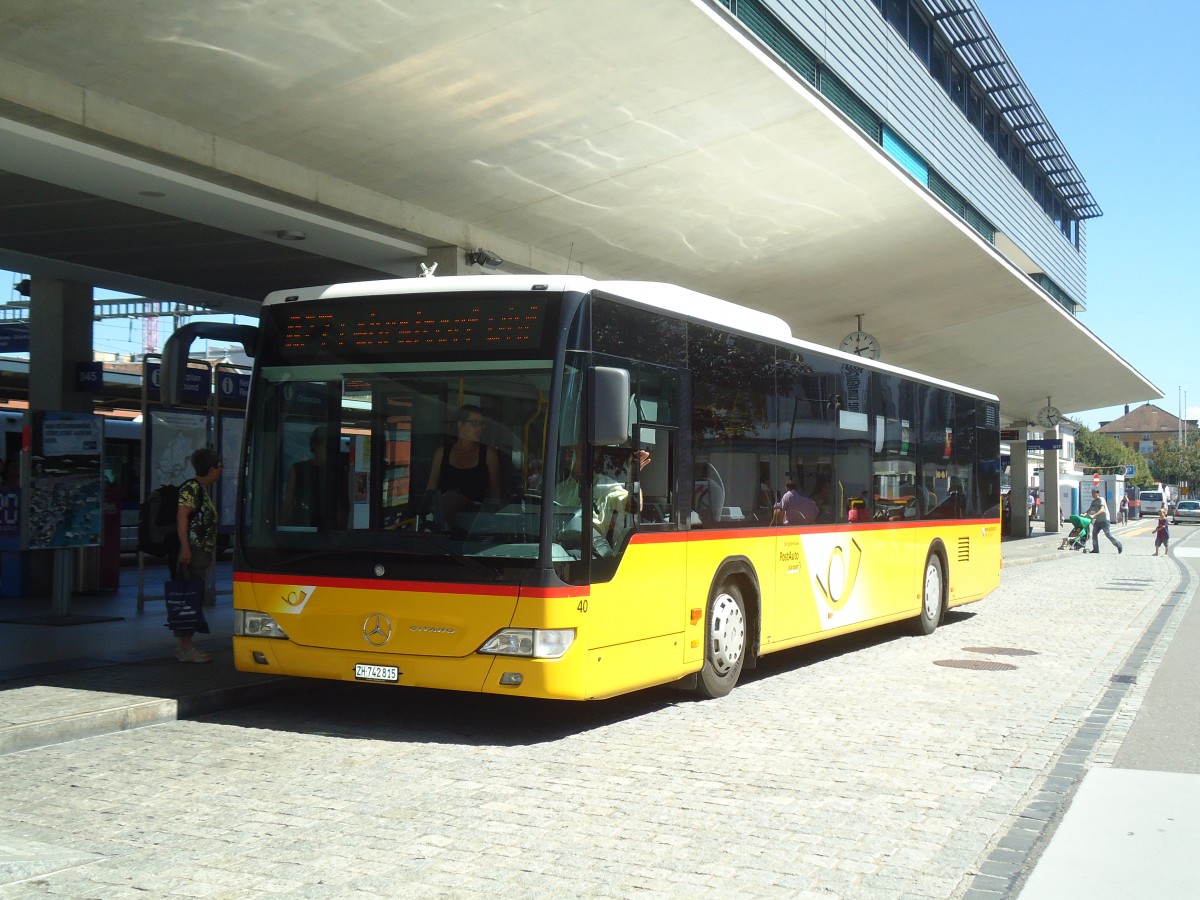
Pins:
x: 939, y: 66
x: 958, y: 88
x: 919, y: 37
x: 909, y: 21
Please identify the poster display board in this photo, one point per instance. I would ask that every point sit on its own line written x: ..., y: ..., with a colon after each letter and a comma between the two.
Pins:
x: 62, y: 465
x: 172, y: 436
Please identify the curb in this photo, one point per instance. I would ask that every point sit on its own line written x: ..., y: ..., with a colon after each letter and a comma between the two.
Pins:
x: 141, y: 713
x: 1027, y: 560
x: 30, y: 735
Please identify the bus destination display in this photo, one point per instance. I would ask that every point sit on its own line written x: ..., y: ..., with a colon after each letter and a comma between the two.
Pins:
x: 431, y: 323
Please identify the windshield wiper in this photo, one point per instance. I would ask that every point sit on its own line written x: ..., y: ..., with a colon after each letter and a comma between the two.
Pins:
x: 492, y: 572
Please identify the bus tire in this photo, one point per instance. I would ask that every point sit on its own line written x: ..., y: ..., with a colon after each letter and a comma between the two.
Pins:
x: 933, y: 595
x: 725, y: 641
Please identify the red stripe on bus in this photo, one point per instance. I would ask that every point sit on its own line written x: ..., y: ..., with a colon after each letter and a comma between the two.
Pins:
x: 420, y: 587
x: 726, y: 534
x: 368, y: 584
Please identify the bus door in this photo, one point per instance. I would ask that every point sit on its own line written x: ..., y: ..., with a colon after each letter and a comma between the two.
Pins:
x: 637, y: 560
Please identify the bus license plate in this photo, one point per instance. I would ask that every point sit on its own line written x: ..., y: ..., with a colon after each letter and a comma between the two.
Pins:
x: 367, y: 672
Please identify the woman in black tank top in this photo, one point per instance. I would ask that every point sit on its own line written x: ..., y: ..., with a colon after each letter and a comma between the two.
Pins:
x: 465, y: 471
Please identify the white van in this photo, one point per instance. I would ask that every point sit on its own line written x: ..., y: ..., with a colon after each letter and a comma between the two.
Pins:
x: 1152, y: 502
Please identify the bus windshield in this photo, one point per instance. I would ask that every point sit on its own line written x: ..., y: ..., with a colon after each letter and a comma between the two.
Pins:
x: 428, y: 470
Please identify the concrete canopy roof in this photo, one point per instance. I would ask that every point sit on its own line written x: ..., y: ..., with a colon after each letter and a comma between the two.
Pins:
x: 619, y: 140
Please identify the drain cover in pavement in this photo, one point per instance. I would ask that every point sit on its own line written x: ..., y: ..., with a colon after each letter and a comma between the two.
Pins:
x: 986, y: 665
x: 1002, y: 651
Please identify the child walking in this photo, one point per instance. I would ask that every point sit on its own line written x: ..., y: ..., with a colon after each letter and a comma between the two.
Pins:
x: 1162, y: 534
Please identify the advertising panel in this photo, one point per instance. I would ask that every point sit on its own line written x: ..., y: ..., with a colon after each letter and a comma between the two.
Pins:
x: 63, y: 468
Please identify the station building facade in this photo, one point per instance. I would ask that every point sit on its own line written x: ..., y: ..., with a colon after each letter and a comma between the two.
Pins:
x: 1145, y: 427
x: 930, y: 82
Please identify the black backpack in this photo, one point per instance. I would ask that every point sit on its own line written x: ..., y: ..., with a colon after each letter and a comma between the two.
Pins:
x: 157, y: 531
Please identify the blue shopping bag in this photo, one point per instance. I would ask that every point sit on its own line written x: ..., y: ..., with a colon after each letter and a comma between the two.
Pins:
x: 185, y: 605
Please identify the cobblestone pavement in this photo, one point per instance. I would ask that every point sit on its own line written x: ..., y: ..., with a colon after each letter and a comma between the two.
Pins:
x: 860, y: 768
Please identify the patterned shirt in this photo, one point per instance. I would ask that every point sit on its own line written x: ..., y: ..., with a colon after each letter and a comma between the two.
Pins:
x: 202, y: 527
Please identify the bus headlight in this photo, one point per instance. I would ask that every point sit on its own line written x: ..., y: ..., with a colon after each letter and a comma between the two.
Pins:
x: 538, y: 643
x: 249, y: 623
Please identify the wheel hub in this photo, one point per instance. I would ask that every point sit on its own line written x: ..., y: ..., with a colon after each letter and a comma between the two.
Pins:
x: 933, y: 591
x: 727, y: 633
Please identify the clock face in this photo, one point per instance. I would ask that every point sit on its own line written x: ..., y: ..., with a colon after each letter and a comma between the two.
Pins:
x: 859, y: 343
x: 1049, y: 417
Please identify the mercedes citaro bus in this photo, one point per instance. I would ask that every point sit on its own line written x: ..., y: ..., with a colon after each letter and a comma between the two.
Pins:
x: 634, y: 439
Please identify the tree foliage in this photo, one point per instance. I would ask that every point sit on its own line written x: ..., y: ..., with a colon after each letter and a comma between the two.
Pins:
x: 1175, y: 463
x: 1106, y: 453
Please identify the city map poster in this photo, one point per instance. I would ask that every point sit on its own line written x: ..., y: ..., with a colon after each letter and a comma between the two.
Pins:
x: 63, y: 470
x: 173, y: 436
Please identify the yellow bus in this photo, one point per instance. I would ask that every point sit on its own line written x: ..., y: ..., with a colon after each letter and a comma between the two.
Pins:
x: 562, y: 488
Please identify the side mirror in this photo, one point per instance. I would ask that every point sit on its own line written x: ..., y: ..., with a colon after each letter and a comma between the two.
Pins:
x: 608, y: 421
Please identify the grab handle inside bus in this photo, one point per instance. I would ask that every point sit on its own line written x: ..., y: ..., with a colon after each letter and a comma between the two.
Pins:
x: 609, y: 408
x: 179, y: 344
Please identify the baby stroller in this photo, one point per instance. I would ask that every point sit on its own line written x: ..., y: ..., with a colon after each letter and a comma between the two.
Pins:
x: 1077, y: 539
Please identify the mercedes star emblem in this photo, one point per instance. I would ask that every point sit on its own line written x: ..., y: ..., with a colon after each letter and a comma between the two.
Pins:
x: 377, y: 629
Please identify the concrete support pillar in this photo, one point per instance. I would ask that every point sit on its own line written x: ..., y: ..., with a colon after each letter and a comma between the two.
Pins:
x: 1050, y: 486
x: 60, y: 337
x: 1018, y: 492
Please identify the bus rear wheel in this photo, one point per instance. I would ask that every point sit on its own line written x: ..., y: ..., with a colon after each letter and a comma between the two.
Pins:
x: 933, y: 592
x: 725, y: 642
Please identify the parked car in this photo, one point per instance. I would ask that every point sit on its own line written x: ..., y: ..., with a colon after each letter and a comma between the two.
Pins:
x: 1152, y: 502
x: 1186, y: 511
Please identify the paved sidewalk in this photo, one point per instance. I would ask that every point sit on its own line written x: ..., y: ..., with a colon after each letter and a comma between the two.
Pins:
x: 63, y: 682
x: 1041, y: 545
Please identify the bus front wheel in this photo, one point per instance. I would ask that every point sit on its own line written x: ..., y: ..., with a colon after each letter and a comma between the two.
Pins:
x: 725, y: 641
x: 933, y: 592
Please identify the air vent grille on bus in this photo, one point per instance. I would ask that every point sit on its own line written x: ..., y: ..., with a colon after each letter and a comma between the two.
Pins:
x: 964, y: 549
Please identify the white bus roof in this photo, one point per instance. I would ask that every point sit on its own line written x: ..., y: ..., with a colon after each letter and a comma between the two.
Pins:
x: 671, y: 298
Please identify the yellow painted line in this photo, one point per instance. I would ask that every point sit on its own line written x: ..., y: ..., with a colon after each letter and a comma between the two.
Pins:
x: 1140, y: 529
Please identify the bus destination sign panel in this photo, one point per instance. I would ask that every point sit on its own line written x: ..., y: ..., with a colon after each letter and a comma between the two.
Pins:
x: 438, y: 323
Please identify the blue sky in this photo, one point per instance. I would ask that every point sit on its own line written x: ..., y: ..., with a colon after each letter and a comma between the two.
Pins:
x: 1114, y: 79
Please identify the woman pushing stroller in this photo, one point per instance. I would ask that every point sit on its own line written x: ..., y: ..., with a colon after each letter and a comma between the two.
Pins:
x: 1077, y: 539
